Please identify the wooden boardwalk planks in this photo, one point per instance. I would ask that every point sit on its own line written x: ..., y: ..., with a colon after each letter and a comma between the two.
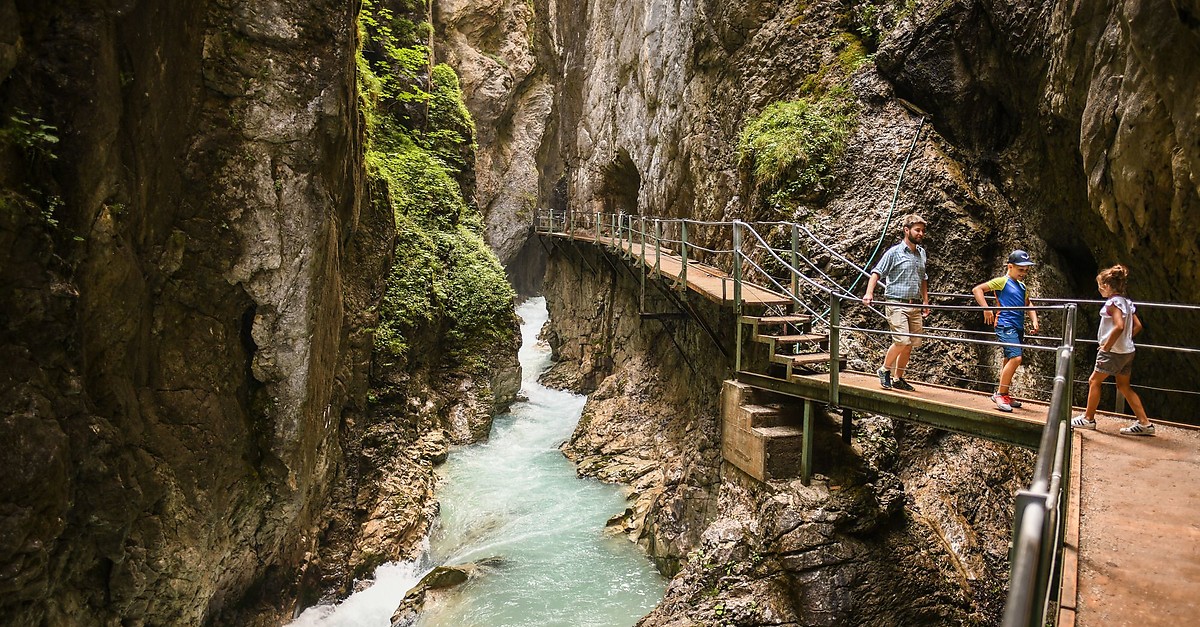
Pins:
x: 1138, y: 557
x: 709, y: 281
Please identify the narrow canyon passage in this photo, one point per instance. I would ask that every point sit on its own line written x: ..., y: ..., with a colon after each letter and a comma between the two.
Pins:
x: 531, y: 531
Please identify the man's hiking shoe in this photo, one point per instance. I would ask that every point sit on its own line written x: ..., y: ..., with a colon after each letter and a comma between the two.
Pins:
x: 885, y: 378
x: 901, y: 384
x: 1138, y: 428
x: 1011, y: 402
x: 1002, y: 402
x: 1081, y: 422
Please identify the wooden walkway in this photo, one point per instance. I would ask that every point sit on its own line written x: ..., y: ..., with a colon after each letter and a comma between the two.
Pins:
x: 1132, y: 551
x: 708, y: 281
x: 952, y: 409
x: 1133, y: 538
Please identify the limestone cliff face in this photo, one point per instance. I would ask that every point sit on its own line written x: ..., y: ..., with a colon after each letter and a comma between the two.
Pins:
x: 1078, y: 117
x: 191, y: 259
x: 504, y: 52
x: 1085, y: 111
x: 175, y: 330
x: 1058, y: 129
x: 1083, y: 118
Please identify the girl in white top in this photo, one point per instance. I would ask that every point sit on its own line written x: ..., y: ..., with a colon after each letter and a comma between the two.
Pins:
x: 1118, y: 324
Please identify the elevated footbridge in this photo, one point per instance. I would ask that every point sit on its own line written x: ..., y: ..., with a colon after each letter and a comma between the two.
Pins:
x: 785, y: 286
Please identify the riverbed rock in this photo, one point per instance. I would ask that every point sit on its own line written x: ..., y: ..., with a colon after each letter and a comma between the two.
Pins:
x: 439, y: 579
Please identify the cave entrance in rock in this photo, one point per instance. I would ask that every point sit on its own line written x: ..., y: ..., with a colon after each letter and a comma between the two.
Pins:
x: 620, y: 185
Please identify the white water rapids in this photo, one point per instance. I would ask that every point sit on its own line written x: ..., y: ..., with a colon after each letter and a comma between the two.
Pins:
x: 517, y: 499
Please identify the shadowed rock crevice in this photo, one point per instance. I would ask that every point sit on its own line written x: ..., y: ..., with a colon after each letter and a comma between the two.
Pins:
x: 621, y: 184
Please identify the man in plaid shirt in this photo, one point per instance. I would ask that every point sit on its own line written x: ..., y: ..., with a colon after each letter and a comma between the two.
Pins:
x: 903, y: 270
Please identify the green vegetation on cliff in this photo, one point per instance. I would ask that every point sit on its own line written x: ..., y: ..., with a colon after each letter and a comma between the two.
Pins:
x: 444, y: 281
x: 792, y: 146
x: 790, y: 149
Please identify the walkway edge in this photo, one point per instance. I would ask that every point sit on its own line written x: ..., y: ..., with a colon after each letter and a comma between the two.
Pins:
x: 1068, y: 597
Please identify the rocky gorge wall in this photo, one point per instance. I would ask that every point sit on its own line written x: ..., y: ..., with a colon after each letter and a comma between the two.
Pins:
x: 195, y: 263
x: 505, y: 51
x: 1085, y: 166
x: 180, y: 204
x: 1090, y: 159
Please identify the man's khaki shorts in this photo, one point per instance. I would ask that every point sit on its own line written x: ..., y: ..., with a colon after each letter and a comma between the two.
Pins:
x: 905, y: 320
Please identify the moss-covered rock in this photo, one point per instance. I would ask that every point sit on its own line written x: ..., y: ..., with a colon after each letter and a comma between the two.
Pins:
x: 792, y: 146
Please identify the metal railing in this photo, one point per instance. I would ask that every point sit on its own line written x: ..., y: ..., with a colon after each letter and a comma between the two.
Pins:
x: 1035, y: 561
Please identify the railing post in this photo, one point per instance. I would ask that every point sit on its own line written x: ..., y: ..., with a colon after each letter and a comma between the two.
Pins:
x: 1069, y: 319
x: 644, y: 270
x: 806, y: 451
x: 629, y: 222
x: 620, y: 235
x: 633, y: 230
x: 795, y: 261
x: 683, y: 254
x: 626, y: 234
x: 657, y: 247
x: 737, y: 266
x: 642, y: 237
x: 835, y: 321
x: 570, y: 223
x: 597, y: 228
x: 620, y: 243
x: 737, y: 289
x: 1069, y: 324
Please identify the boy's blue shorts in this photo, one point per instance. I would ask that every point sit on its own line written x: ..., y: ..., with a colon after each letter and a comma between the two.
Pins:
x: 1011, y: 335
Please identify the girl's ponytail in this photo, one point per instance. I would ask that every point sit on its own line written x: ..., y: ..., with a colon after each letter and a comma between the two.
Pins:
x: 1115, y: 278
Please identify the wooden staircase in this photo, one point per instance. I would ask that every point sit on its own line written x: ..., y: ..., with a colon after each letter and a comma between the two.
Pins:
x: 790, y: 342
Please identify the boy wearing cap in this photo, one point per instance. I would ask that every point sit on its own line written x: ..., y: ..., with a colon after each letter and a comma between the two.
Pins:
x: 1009, y: 291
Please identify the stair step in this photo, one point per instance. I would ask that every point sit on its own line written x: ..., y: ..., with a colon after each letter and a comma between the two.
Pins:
x: 779, y: 431
x: 755, y: 416
x: 791, y: 339
x: 780, y: 358
x: 808, y: 359
x: 793, y: 319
